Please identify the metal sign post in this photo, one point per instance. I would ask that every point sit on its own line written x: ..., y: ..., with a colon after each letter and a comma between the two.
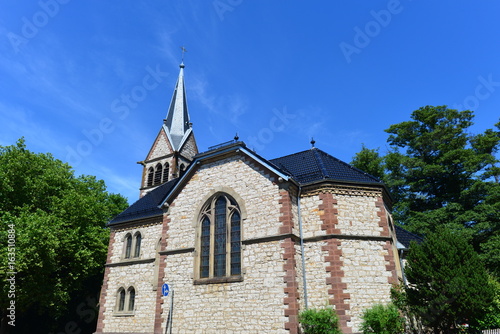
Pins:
x: 168, y: 290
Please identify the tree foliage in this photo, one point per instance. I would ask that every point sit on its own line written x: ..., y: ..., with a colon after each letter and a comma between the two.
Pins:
x: 60, y: 235
x: 369, y: 161
x: 320, y: 321
x: 440, y: 174
x: 382, y: 319
x: 448, y: 283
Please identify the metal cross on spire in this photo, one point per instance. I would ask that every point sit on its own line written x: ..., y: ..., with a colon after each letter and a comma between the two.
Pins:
x: 183, y: 51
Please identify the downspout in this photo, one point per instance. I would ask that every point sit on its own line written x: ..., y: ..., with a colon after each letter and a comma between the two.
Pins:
x: 304, y: 279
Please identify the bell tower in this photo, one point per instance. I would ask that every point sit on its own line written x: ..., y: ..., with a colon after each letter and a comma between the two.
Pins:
x: 174, y: 146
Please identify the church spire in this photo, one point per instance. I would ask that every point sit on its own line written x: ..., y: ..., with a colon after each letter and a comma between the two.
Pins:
x: 177, y: 124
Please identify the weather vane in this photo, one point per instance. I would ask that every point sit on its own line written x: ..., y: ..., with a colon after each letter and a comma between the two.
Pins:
x: 183, y: 51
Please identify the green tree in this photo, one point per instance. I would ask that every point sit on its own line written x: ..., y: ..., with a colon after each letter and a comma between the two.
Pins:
x: 369, y: 161
x: 382, y: 319
x: 320, y: 321
x: 439, y: 173
x: 60, y: 235
x: 448, y: 283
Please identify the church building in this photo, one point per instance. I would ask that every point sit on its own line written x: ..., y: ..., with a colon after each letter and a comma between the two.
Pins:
x: 227, y: 241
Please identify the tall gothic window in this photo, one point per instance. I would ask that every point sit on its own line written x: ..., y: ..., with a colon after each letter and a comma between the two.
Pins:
x: 220, y: 238
x: 137, y: 247
x: 121, y: 299
x: 158, y: 173
x: 131, y: 298
x: 128, y: 246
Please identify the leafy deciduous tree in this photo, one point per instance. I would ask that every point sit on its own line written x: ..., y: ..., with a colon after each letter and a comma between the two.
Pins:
x: 60, y: 241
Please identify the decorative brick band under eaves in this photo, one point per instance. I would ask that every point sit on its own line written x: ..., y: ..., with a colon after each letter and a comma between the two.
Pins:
x: 291, y: 300
x: 336, y: 292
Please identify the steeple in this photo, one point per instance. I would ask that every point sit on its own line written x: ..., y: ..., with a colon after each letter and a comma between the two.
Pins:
x: 174, y: 146
x: 177, y: 124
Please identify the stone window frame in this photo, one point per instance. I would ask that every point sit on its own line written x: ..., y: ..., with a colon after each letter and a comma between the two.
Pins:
x: 125, y: 301
x: 204, y: 203
x: 132, y: 242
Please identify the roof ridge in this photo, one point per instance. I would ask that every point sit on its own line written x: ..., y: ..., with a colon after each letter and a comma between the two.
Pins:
x: 350, y: 166
x: 319, y: 160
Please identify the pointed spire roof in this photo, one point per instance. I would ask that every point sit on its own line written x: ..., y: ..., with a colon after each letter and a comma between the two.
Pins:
x: 177, y: 124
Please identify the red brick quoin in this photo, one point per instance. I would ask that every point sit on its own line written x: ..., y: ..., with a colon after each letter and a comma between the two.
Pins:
x: 161, y: 275
x: 334, y: 261
x: 291, y: 300
x: 104, y: 288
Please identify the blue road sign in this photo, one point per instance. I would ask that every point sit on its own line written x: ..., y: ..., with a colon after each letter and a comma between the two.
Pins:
x: 165, y: 289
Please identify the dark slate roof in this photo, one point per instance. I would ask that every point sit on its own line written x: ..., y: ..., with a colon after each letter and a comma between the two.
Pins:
x: 147, y: 206
x: 315, y: 165
x: 405, y: 237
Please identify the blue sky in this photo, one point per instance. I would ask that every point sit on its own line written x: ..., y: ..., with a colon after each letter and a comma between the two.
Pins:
x: 91, y: 81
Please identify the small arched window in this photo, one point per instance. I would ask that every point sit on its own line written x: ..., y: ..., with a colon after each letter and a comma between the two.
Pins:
x: 128, y: 246
x: 165, y: 172
x: 182, y: 169
x: 137, y: 247
x: 131, y: 298
x: 121, y: 299
x: 150, y: 176
x: 220, y: 238
x: 158, y: 173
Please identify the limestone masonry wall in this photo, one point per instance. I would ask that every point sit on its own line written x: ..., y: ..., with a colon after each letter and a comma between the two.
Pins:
x: 161, y: 147
x: 254, y: 305
x: 253, y: 190
x: 142, y: 318
x: 139, y: 275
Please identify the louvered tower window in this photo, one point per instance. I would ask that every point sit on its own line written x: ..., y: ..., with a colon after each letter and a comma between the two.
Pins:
x: 165, y: 172
x: 150, y: 176
x: 158, y: 173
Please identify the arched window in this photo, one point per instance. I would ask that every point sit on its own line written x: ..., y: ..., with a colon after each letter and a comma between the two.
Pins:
x: 121, y: 299
x: 220, y: 238
x: 150, y: 176
x: 182, y: 169
x: 131, y: 298
x: 125, y: 300
x: 137, y: 247
x: 165, y: 172
x: 128, y: 246
x: 158, y: 170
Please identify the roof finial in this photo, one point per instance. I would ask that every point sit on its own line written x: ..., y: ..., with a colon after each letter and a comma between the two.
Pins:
x: 236, y: 137
x: 313, y: 142
x: 183, y: 52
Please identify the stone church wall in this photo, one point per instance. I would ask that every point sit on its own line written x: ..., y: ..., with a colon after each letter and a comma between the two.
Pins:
x: 254, y: 304
x: 354, y: 270
x: 137, y: 275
